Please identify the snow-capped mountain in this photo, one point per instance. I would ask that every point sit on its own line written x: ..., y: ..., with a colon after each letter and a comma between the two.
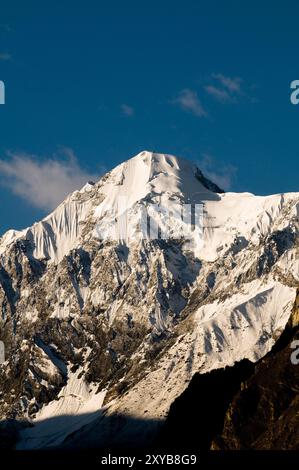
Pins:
x: 101, y: 321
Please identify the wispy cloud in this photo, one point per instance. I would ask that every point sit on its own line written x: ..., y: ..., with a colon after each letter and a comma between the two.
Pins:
x: 43, y: 183
x: 220, y: 173
x: 233, y: 85
x: 219, y: 94
x: 127, y: 110
x: 188, y: 101
x: 5, y: 56
x: 225, y: 89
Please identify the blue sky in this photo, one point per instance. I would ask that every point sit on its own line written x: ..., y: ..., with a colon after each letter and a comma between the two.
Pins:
x: 89, y: 84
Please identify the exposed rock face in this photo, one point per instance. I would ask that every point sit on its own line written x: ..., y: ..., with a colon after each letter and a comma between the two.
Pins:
x: 91, y: 322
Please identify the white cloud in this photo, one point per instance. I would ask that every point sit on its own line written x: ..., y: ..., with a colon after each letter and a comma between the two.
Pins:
x: 189, y: 101
x: 220, y: 95
x: 233, y: 85
x: 43, y: 183
x: 225, y: 89
x: 127, y: 110
x: 221, y: 174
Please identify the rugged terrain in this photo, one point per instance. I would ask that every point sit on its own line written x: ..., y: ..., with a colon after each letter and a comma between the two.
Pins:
x: 104, y: 331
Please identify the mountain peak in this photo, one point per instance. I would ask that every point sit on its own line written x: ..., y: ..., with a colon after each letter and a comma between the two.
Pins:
x: 88, y: 317
x: 149, y: 178
x: 161, y: 173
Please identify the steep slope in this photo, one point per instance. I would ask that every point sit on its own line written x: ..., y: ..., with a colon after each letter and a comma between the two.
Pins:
x: 114, y: 301
x: 264, y: 414
x: 246, y: 406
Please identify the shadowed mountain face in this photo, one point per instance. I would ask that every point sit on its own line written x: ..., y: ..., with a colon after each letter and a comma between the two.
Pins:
x: 197, y: 416
x: 264, y: 414
x: 96, y: 431
x: 98, y: 326
x: 247, y: 406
